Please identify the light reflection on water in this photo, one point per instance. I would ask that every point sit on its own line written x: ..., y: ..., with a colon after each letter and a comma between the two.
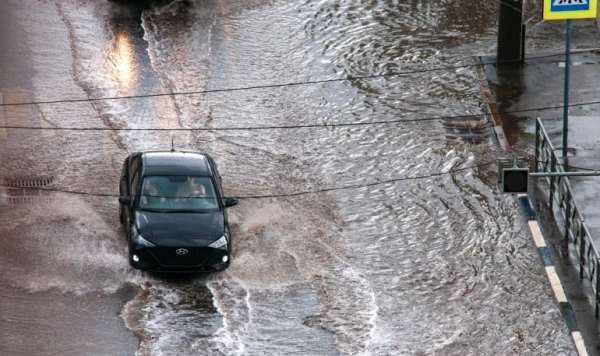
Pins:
x: 121, y: 58
x: 432, y: 266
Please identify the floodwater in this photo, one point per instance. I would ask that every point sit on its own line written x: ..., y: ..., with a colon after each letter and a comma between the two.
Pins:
x: 412, y: 259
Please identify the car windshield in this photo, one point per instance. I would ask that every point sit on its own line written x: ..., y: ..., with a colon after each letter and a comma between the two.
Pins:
x: 178, y: 194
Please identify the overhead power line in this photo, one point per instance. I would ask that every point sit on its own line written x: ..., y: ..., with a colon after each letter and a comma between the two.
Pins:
x: 357, y: 186
x: 317, y: 191
x: 290, y: 84
x: 272, y: 127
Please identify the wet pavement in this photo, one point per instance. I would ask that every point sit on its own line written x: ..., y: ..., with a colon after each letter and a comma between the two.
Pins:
x: 427, y: 258
x: 539, y: 84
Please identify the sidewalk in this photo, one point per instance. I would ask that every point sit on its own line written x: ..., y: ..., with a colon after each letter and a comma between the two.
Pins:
x: 539, y: 84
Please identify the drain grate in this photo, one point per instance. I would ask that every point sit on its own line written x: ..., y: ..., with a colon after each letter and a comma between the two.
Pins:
x: 28, y: 183
x: 27, y: 200
x: 25, y: 191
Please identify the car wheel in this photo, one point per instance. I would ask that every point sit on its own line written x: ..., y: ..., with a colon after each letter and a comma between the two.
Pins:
x: 121, y: 218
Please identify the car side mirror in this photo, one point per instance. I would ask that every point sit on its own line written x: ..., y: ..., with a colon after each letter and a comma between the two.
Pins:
x: 230, y: 202
x: 126, y: 200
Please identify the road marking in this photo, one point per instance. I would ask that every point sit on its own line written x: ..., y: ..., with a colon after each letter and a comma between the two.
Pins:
x: 534, y: 227
x: 557, y: 288
x: 556, y: 284
x: 579, y: 344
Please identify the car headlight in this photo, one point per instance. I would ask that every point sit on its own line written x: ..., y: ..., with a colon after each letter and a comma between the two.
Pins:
x: 221, y: 243
x: 138, y: 239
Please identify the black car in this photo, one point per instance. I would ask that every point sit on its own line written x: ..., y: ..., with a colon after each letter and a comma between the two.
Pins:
x: 174, y: 212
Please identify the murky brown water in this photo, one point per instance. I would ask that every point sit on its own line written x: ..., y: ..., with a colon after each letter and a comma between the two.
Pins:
x: 440, y: 265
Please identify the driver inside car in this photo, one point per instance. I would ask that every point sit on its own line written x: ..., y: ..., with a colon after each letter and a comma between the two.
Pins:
x: 191, y: 189
x: 151, y: 194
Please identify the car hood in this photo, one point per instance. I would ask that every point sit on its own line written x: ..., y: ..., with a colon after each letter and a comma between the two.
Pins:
x: 177, y: 229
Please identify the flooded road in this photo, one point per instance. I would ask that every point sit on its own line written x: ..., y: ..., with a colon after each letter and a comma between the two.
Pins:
x: 439, y: 265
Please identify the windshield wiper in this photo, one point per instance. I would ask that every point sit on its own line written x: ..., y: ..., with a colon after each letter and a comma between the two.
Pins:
x: 186, y: 211
x: 153, y: 210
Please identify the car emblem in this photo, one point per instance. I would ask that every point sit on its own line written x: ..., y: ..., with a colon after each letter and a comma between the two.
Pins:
x: 181, y: 251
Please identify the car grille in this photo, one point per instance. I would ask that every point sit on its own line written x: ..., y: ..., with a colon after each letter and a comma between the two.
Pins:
x: 168, y: 257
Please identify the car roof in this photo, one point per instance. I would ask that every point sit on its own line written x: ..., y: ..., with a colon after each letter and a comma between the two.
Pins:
x: 174, y: 163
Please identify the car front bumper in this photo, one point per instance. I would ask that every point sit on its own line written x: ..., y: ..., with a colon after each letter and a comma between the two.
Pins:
x: 166, y: 259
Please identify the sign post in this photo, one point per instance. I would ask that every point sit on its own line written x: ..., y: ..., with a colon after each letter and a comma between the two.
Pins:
x: 568, y: 10
x: 565, y: 144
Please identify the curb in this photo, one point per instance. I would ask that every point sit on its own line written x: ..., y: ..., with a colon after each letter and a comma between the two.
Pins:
x: 490, y: 104
x: 559, y: 293
x: 557, y: 288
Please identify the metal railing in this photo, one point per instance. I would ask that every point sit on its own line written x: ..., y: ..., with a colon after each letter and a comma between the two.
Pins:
x: 560, y: 192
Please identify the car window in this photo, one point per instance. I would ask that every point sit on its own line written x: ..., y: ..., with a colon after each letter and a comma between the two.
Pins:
x: 216, y: 174
x: 135, y: 164
x: 135, y: 182
x: 135, y: 173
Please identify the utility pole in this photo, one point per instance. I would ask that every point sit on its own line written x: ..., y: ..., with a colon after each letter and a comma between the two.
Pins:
x: 565, y: 143
x: 510, y: 26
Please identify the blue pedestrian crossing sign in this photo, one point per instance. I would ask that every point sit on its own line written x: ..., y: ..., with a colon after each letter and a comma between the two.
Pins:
x: 570, y: 9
